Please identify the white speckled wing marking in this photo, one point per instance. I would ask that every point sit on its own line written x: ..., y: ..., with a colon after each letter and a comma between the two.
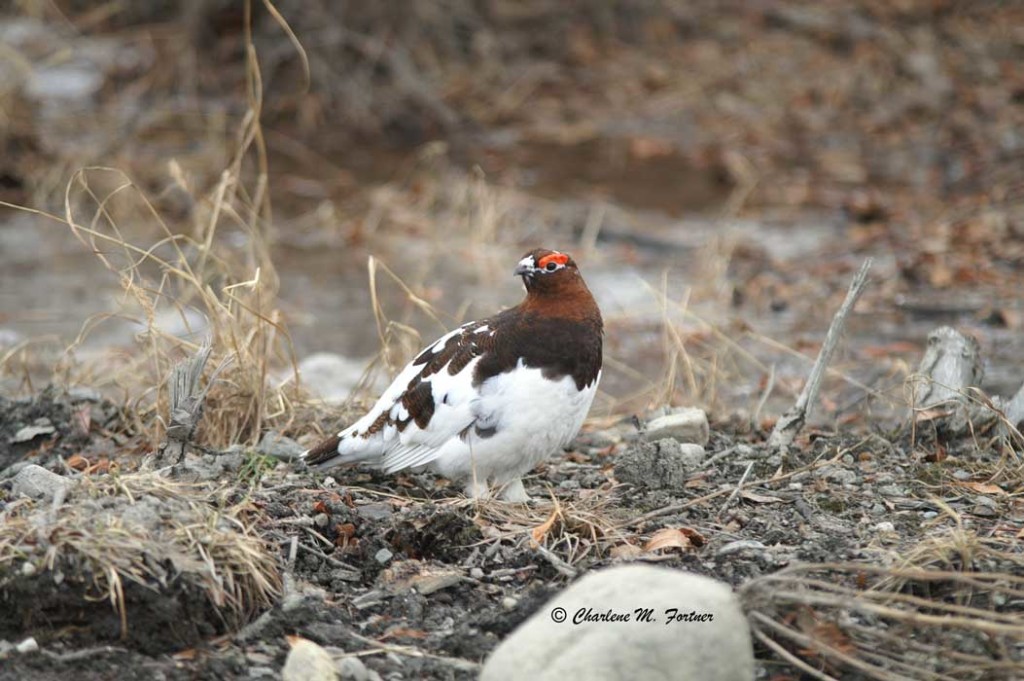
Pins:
x: 451, y: 406
x: 454, y: 396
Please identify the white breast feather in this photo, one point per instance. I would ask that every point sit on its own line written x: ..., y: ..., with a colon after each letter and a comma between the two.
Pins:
x: 533, y: 417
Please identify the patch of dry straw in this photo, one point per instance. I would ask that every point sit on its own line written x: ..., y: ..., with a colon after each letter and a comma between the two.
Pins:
x: 99, y: 538
x: 907, y: 622
x: 215, y: 284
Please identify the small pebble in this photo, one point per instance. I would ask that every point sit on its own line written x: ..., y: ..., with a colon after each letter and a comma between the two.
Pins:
x: 738, y: 546
x: 377, y: 511
x: 307, y: 661
x: 29, y: 645
x: 686, y: 425
x: 745, y: 452
x: 353, y: 669
x: 509, y: 603
x: 476, y: 573
x: 383, y: 556
x: 885, y: 526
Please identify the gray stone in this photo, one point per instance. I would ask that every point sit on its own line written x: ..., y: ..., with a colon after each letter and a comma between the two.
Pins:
x: 29, y: 433
x: 210, y: 467
x: 375, y: 511
x: 280, y: 447
x: 686, y: 425
x: 38, y: 483
x: 707, y: 637
x: 353, y: 669
x: 383, y: 556
x: 843, y: 476
x: 739, y: 546
x: 664, y: 464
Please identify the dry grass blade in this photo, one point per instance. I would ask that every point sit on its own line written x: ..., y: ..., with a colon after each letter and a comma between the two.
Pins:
x: 874, y: 621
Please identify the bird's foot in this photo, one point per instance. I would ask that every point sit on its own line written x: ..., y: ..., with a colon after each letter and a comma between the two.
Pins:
x: 477, y: 489
x: 513, y: 491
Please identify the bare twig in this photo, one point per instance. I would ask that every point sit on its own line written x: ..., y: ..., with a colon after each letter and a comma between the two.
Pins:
x: 793, y: 420
x: 83, y: 653
x: 769, y: 386
x: 409, y: 651
x: 736, y: 491
x: 560, y: 565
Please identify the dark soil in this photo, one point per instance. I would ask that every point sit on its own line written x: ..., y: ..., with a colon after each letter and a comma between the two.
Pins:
x: 163, y: 618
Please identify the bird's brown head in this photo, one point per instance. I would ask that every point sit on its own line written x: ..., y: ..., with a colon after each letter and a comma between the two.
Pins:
x: 547, y: 272
x: 555, y: 287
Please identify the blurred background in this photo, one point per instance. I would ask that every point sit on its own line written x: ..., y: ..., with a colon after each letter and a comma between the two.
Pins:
x: 719, y: 170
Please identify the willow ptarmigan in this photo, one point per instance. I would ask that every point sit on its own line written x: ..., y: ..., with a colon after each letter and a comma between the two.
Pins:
x: 490, y: 400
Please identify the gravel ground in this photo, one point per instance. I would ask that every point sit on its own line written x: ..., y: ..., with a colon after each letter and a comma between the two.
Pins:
x: 418, y: 584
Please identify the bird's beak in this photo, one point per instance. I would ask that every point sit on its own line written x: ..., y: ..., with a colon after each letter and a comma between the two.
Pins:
x: 525, y: 268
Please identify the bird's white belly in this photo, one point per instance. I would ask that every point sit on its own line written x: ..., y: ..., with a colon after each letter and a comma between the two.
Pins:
x: 532, y: 416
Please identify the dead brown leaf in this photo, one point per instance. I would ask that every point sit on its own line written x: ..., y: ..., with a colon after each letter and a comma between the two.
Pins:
x: 78, y: 462
x: 674, y: 538
x: 538, y: 533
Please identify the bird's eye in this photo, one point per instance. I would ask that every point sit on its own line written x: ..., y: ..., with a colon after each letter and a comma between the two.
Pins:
x: 551, y: 267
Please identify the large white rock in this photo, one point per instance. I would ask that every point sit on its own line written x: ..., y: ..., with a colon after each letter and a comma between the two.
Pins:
x: 605, y: 637
x: 688, y: 425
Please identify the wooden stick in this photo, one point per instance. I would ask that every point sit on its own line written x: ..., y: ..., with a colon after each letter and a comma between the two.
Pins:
x: 793, y: 420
